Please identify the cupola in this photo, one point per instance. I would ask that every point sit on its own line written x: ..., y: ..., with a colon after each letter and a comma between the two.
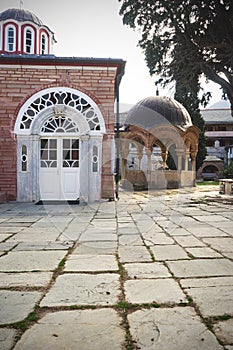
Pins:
x: 22, y: 32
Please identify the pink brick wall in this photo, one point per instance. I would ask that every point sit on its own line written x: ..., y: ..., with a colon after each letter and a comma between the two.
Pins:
x: 18, y: 83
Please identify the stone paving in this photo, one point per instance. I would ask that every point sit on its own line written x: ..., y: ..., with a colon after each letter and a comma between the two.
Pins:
x: 150, y: 271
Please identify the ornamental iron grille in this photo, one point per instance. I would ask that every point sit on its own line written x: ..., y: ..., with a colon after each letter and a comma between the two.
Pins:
x: 60, y: 97
x: 59, y: 124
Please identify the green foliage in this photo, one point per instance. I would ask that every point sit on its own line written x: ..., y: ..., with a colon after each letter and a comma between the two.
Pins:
x: 207, y: 183
x: 228, y: 169
x: 183, y: 39
x: 189, y: 99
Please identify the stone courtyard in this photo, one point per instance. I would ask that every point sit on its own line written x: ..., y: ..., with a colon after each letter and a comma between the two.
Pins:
x: 153, y: 270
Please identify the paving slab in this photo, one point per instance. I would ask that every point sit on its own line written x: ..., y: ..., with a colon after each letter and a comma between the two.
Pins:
x: 15, y: 224
x: 85, y: 263
x: 228, y: 255
x: 128, y: 231
x: 90, y: 237
x: 134, y: 254
x: 41, y: 236
x: 169, y: 252
x: 4, y: 236
x: 211, y: 218
x: 7, y: 337
x: 25, y: 246
x: 173, y: 329
x: 146, y: 270
x: 31, y: 261
x: 203, y: 252
x: 206, y: 282
x: 189, y: 241
x: 130, y: 240
x: 28, y: 219
x: 213, y: 301
x: 27, y: 279
x: 201, y: 268
x: 205, y: 231
x: 83, y: 289
x: 93, y: 247
x: 5, y: 246
x: 224, y: 331
x: 178, y: 232
x: 223, y: 244
x: 85, y: 329
x: 160, y: 291
x: 15, y: 305
x: 157, y: 238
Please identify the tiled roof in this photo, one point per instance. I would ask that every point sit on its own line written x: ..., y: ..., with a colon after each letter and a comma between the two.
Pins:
x: 20, y: 15
x: 217, y: 116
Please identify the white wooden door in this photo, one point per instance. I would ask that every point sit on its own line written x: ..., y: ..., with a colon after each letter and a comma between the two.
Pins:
x: 59, y: 169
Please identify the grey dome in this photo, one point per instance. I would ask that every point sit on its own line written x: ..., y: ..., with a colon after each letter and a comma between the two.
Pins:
x: 157, y: 110
x: 20, y: 15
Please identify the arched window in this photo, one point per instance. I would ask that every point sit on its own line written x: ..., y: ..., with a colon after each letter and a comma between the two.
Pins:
x: 10, y: 39
x: 28, y: 41
x: 44, y: 44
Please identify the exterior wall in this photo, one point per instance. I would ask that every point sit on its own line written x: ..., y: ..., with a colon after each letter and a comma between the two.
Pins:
x: 19, y: 82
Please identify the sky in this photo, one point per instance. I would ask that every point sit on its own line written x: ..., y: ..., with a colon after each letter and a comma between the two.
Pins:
x: 94, y: 28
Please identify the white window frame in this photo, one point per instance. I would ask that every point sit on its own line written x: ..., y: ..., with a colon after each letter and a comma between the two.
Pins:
x: 43, y: 35
x: 26, y: 29
x: 7, y: 48
x: 1, y: 41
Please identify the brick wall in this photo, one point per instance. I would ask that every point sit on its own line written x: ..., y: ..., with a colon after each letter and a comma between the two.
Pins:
x: 19, y: 82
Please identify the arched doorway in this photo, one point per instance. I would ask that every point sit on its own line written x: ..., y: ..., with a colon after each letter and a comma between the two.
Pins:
x: 59, y: 130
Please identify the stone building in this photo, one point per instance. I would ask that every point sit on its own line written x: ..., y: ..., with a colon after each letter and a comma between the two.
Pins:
x: 219, y: 141
x: 158, y: 128
x: 56, y: 116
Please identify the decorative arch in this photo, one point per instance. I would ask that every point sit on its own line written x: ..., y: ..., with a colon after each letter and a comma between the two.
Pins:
x: 59, y: 116
x: 74, y: 100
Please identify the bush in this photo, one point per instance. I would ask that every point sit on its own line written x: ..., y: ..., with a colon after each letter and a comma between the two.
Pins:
x: 228, y: 169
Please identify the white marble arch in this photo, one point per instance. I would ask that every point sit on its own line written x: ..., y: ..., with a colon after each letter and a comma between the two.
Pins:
x: 28, y: 138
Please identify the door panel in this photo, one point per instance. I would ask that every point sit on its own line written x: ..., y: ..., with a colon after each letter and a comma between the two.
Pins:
x: 59, y: 169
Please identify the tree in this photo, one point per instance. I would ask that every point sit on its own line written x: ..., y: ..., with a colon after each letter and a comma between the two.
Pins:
x: 183, y: 39
x: 189, y: 99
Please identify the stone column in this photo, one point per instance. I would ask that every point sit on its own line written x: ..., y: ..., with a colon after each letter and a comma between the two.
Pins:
x: 187, y: 154
x: 164, y: 157
x: 139, y: 155
x: 193, y: 156
x: 107, y: 165
x: 84, y: 168
x: 148, y: 153
x: 179, y: 154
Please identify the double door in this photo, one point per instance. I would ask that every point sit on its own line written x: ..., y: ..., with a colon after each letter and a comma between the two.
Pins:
x: 59, y: 168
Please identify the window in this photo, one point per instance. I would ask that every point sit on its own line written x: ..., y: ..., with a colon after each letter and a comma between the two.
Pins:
x: 43, y: 44
x: 10, y: 39
x: 0, y: 37
x: 24, y: 158
x: 95, y: 159
x: 28, y: 41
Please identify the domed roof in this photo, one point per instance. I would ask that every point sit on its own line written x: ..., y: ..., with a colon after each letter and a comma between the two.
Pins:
x: 157, y: 110
x: 20, y: 15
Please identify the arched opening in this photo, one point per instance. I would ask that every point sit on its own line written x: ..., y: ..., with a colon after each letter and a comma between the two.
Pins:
x: 62, y: 129
x: 210, y: 172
